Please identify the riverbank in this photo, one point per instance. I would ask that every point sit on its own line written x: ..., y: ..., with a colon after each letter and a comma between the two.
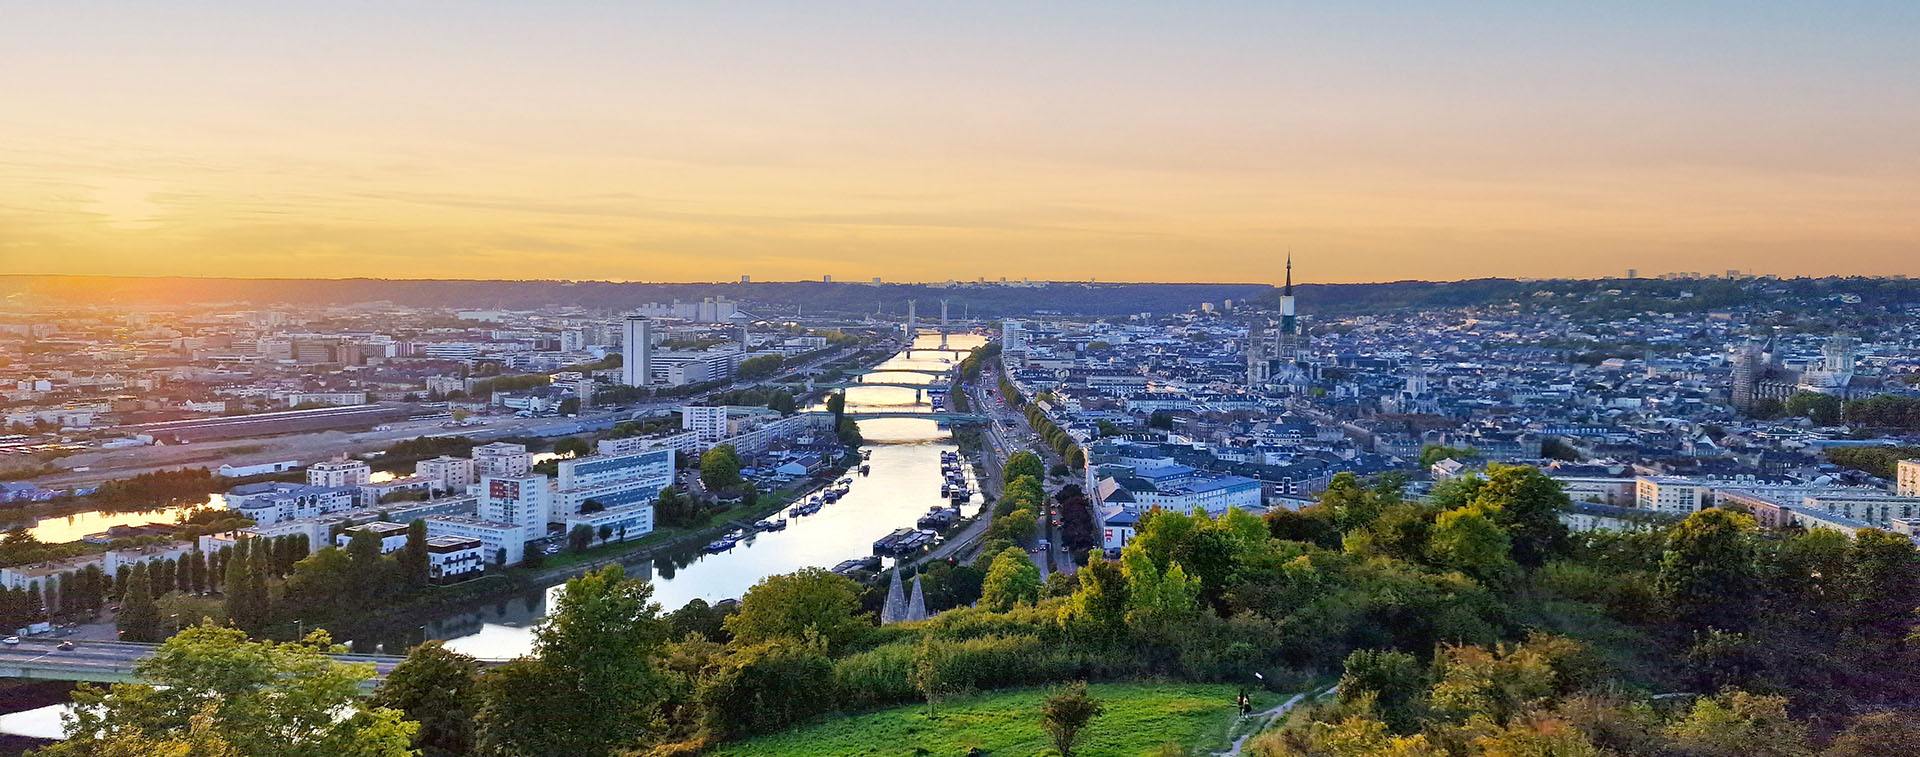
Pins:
x: 519, y: 582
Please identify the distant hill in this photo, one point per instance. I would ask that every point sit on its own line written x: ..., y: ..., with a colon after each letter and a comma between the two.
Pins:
x: 1591, y: 296
x: 779, y: 296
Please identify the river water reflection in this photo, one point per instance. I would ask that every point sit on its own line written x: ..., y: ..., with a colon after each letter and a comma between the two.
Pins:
x: 904, y: 484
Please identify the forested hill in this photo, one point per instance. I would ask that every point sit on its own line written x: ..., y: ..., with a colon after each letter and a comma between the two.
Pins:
x: 1597, y: 296
x: 778, y: 296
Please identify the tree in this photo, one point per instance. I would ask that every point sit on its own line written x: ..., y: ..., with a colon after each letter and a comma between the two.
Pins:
x: 438, y: 689
x: 594, y: 684
x: 1738, y: 724
x: 572, y: 446
x: 1012, y: 579
x: 320, y: 589
x: 1156, y: 598
x: 369, y: 576
x: 1882, y: 734
x: 139, y: 618
x: 766, y: 687
x: 1395, y: 680
x: 1468, y: 540
x: 1707, y: 575
x: 580, y: 538
x: 1066, y: 713
x: 1527, y: 503
x: 1823, y: 409
x: 720, y: 468
x: 211, y: 685
x: 929, y: 672
x: 569, y: 406
x: 415, y: 563
x: 1098, y: 610
x: 810, y: 601
x: 1023, y: 463
x: 245, y: 609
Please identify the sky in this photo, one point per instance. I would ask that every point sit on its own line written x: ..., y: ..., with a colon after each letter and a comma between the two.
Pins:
x: 1114, y: 140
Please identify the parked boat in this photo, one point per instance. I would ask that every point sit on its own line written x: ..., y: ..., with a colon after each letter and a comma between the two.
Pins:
x: 903, y: 541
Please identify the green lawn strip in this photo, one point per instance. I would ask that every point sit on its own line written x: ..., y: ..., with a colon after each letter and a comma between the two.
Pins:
x: 1139, y: 717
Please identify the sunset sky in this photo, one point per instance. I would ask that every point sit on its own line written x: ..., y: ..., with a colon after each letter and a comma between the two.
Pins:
x: 1139, y: 141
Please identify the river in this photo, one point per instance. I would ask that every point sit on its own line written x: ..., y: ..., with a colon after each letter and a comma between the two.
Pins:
x: 903, y: 485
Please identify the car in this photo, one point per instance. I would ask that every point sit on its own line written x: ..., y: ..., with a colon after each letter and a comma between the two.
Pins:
x: 66, y: 646
x: 11, y: 641
x: 551, y: 549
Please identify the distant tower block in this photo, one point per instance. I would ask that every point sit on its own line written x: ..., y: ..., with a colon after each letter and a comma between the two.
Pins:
x: 943, y: 324
x: 913, y: 322
x: 636, y: 365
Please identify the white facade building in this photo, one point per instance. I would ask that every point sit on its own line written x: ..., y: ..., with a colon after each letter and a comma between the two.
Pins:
x: 636, y: 351
x: 519, y: 500
x: 497, y: 539
x: 1672, y: 495
x: 501, y: 459
x: 617, y: 524
x: 1907, y: 478
x: 455, y: 474
x: 339, y: 473
x: 708, y: 423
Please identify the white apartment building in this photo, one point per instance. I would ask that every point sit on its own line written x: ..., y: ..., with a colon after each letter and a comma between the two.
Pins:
x: 339, y: 473
x: 708, y: 423
x: 335, y: 399
x: 393, y: 536
x: 271, y: 502
x: 496, y: 539
x: 501, y: 459
x: 455, y: 474
x: 1669, y: 494
x: 681, y: 442
x: 613, y: 481
x: 518, y: 500
x: 451, y: 558
x: 617, y: 524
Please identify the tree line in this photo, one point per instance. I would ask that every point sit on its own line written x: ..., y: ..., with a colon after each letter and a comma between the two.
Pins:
x: 1469, y: 623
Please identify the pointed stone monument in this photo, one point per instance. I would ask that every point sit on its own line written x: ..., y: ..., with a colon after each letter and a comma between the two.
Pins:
x: 895, y: 610
x: 917, y: 608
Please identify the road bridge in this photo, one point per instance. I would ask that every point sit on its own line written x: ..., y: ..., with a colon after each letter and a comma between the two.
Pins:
x: 938, y: 415
x: 113, y: 661
x: 864, y: 384
x: 928, y: 371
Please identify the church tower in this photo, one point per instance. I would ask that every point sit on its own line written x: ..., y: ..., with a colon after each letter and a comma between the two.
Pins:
x: 1288, y: 349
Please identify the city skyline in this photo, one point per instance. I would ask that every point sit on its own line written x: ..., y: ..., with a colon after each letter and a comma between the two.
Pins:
x: 1148, y: 142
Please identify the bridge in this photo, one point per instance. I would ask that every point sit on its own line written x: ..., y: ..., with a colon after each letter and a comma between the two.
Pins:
x: 938, y: 415
x: 928, y: 371
x: 114, y: 661
x: 864, y: 384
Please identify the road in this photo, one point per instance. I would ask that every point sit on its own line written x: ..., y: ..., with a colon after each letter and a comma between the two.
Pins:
x: 109, y: 660
x: 96, y: 466
x: 1008, y: 433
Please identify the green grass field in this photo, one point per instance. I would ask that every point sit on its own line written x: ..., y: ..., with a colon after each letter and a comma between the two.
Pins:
x: 1140, y: 717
